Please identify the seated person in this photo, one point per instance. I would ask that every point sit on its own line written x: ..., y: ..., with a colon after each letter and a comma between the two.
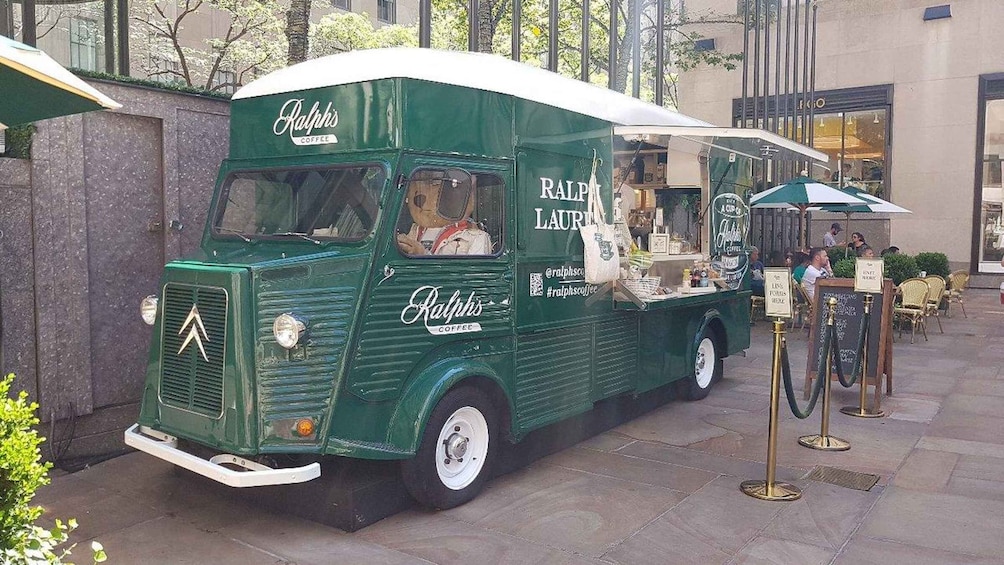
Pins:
x: 867, y: 252
x: 857, y: 243
x: 441, y: 207
x: 756, y: 272
x: 819, y: 268
x: 801, y: 262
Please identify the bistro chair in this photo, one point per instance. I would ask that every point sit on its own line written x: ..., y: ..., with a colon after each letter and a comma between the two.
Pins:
x: 802, y: 304
x: 937, y: 285
x: 957, y: 283
x: 757, y: 304
x: 912, y: 306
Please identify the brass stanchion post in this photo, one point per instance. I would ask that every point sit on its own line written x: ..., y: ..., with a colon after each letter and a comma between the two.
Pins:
x: 769, y: 489
x: 824, y: 441
x: 862, y: 411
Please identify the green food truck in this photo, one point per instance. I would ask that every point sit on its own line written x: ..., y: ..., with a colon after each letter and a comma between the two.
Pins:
x: 392, y: 269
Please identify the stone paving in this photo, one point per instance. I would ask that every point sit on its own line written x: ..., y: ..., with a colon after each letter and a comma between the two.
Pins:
x: 662, y: 488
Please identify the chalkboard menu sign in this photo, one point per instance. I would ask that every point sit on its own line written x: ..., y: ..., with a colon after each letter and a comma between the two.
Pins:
x: 849, y: 313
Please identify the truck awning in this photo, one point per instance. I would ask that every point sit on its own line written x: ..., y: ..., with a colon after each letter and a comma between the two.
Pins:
x: 753, y: 143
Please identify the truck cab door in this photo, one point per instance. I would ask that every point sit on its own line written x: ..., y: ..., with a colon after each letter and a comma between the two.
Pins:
x: 443, y: 283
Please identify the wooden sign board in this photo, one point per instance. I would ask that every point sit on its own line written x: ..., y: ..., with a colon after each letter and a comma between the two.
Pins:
x: 850, y: 310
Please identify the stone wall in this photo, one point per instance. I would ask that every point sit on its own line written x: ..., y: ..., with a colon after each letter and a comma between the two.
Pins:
x: 86, y: 234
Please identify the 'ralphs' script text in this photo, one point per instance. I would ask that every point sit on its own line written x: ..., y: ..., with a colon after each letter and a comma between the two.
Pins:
x: 438, y: 316
x: 300, y: 127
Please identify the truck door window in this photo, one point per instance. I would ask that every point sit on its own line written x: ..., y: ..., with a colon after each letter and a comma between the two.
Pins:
x: 450, y: 212
x: 337, y: 203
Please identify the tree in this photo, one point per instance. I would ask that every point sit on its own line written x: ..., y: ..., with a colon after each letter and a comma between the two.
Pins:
x: 251, y: 43
x: 346, y: 31
x: 449, y: 31
x: 298, y: 30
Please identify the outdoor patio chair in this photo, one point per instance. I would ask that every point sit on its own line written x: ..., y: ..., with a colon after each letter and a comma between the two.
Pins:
x: 957, y: 283
x: 757, y: 304
x: 802, y: 304
x: 936, y: 293
x: 912, y: 306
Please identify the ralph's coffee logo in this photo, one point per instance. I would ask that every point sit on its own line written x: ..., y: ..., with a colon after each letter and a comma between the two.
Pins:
x: 439, y: 317
x: 729, y: 229
x: 300, y: 126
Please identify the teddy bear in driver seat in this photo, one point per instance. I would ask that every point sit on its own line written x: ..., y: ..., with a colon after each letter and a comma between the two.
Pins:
x: 441, y: 204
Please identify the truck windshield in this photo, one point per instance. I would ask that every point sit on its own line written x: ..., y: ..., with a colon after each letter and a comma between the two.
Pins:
x: 333, y: 203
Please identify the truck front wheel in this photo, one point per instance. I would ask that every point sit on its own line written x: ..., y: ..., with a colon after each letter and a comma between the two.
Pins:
x: 453, y: 460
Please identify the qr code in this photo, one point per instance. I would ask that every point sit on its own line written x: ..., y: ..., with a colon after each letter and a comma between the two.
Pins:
x: 536, y: 284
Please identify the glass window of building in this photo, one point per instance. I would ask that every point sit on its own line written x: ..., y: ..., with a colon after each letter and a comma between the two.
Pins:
x: 850, y: 125
x: 226, y: 81
x: 856, y: 145
x: 991, y: 225
x: 84, y: 44
x: 387, y: 11
x: 342, y: 4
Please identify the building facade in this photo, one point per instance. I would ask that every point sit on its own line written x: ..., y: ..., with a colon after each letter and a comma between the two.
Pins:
x: 88, y: 34
x: 908, y: 103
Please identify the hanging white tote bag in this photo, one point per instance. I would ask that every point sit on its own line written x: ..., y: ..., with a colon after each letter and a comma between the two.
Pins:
x: 599, y: 239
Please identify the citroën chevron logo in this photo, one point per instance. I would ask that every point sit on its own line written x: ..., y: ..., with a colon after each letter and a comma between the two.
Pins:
x: 196, y: 332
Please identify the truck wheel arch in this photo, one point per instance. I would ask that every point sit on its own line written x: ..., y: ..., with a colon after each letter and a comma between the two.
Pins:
x: 431, y: 385
x: 711, y: 320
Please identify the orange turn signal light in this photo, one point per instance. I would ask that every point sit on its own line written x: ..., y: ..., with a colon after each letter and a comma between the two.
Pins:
x: 305, y: 427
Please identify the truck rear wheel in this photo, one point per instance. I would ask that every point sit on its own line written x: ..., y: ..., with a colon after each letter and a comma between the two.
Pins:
x: 708, y: 368
x: 453, y: 461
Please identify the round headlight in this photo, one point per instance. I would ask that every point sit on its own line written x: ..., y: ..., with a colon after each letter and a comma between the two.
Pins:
x: 288, y: 329
x: 148, y: 309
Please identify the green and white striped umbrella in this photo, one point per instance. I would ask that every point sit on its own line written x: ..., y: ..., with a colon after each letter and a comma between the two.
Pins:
x: 35, y: 87
x: 802, y: 192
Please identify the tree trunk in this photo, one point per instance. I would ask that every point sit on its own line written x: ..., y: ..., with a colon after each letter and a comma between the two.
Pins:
x: 297, y: 28
x: 486, y: 31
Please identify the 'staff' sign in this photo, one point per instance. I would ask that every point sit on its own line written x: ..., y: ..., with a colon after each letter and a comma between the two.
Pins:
x: 868, y: 275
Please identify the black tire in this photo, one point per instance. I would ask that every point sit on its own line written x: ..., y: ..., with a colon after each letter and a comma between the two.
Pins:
x: 452, y: 465
x: 708, y: 368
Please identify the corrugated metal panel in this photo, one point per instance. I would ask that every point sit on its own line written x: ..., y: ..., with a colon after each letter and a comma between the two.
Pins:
x: 552, y: 373
x: 189, y: 380
x: 388, y: 349
x: 616, y: 363
x: 303, y: 386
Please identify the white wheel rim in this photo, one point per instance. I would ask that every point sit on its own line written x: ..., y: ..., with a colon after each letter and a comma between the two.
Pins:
x: 461, y: 448
x: 704, y: 364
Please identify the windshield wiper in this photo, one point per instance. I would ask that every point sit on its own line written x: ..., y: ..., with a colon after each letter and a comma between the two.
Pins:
x: 238, y: 233
x: 301, y: 235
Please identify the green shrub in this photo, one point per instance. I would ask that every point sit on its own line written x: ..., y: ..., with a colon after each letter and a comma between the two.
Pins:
x: 933, y: 263
x: 21, y: 474
x: 17, y: 141
x: 838, y: 254
x: 844, y: 268
x: 900, y: 267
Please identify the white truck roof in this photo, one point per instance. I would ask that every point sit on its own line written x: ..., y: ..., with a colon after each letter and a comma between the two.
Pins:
x: 480, y: 71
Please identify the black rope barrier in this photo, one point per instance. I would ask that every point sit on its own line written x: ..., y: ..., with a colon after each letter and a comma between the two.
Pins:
x: 856, y: 369
x: 817, y: 386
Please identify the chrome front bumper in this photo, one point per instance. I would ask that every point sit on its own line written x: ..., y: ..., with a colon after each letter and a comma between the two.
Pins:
x: 164, y: 446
